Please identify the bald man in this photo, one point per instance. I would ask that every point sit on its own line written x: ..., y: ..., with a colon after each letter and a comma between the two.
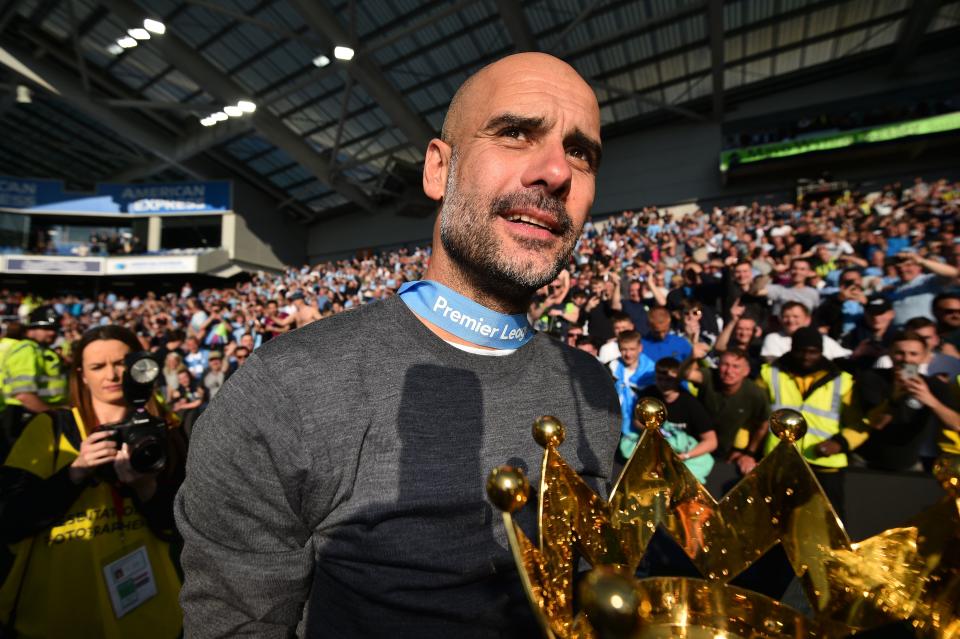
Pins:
x: 342, y: 467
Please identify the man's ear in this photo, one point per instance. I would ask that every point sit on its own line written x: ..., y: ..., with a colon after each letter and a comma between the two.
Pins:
x: 436, y: 166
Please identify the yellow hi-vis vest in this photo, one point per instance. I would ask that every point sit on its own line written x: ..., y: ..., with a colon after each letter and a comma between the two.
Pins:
x: 31, y: 368
x: 821, y: 409
x: 59, y: 571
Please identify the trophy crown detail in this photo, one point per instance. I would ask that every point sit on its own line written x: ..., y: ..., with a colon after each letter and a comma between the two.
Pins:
x: 911, y: 573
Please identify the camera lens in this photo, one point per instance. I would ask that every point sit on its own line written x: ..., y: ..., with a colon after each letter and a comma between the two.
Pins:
x: 147, y: 454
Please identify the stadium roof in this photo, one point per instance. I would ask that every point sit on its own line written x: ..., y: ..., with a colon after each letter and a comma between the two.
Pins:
x: 329, y: 135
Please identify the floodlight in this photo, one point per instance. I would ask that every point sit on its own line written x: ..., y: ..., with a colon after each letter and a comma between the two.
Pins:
x: 139, y: 33
x: 115, y: 49
x: 343, y: 53
x: 246, y: 106
x: 321, y: 61
x: 154, y: 26
x: 208, y: 121
x: 127, y: 42
x: 219, y: 116
x: 24, y: 94
x: 233, y: 111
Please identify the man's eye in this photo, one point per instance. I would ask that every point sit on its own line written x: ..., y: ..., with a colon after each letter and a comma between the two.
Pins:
x: 512, y: 132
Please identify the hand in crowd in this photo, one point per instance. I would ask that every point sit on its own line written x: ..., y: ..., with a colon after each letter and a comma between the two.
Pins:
x: 745, y: 463
x: 918, y: 389
x: 827, y: 448
x: 701, y: 350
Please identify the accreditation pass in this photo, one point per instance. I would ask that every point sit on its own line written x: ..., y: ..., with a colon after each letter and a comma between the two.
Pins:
x: 130, y: 581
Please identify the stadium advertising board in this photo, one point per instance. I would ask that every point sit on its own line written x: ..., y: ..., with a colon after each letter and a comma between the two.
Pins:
x: 17, y: 193
x: 152, y: 265
x: 53, y: 265
x: 178, y: 198
x: 830, y: 141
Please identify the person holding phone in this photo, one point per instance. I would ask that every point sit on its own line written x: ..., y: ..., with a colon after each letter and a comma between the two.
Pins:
x: 908, y: 413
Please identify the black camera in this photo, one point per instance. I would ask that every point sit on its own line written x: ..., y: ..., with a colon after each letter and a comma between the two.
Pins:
x: 144, y: 434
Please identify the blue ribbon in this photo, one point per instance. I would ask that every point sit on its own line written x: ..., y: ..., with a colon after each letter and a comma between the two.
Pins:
x: 465, y: 318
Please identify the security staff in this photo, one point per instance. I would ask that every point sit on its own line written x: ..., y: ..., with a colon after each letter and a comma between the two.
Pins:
x: 33, y: 377
x: 806, y: 381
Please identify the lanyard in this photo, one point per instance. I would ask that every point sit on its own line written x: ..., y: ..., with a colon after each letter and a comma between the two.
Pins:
x: 465, y: 318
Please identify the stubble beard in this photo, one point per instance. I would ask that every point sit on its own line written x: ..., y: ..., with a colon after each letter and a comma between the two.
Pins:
x: 468, y: 239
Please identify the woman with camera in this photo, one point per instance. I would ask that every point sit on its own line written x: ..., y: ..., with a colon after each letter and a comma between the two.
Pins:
x: 89, y: 520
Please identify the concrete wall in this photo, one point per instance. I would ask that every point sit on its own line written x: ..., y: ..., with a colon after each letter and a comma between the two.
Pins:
x: 263, y: 236
x: 349, y: 233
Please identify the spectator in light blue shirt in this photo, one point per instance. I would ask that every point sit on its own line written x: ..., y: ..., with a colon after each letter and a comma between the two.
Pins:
x: 196, y: 360
x: 913, y: 296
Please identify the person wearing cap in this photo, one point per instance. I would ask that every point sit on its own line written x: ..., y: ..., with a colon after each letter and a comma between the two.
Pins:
x: 33, y: 376
x: 809, y: 383
x: 870, y: 340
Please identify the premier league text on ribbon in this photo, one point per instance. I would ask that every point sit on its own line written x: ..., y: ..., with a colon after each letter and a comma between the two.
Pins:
x: 477, y: 325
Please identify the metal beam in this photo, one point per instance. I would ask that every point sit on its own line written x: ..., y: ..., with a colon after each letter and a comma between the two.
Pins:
x: 645, y: 99
x: 187, y: 147
x: 220, y: 7
x: 715, y: 29
x: 367, y: 73
x: 182, y: 56
x: 66, y: 86
x: 912, y: 30
x: 511, y: 11
x: 573, y: 24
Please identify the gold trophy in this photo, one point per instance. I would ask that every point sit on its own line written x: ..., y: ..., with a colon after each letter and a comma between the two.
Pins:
x: 910, y: 573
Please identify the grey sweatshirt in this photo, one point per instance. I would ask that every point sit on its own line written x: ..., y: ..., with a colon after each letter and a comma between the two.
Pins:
x: 344, y: 466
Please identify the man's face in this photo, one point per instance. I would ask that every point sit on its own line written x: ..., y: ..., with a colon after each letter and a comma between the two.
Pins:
x: 521, y: 174
x: 908, y: 351
x: 43, y: 336
x: 743, y: 274
x: 930, y: 336
x: 733, y: 370
x: 948, y: 312
x: 793, y: 318
x: 879, y: 322
x: 666, y: 380
x: 192, y: 345
x: 908, y: 270
x: 659, y: 320
x: 744, y: 330
x: 799, y: 272
x: 635, y: 291
x: 620, y: 326
x: 807, y: 356
x: 630, y: 353
x: 215, y: 364
x: 588, y: 347
x: 573, y: 335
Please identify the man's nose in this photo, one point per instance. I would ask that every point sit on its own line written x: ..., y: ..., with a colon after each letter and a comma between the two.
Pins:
x: 549, y: 168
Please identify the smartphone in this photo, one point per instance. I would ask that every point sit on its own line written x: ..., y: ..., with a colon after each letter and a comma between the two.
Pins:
x: 910, y: 371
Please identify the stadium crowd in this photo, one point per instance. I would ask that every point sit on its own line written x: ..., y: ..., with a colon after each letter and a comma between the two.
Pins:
x: 848, y: 310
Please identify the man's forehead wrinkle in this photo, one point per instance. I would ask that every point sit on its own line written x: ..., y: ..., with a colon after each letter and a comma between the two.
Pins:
x: 505, y: 82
